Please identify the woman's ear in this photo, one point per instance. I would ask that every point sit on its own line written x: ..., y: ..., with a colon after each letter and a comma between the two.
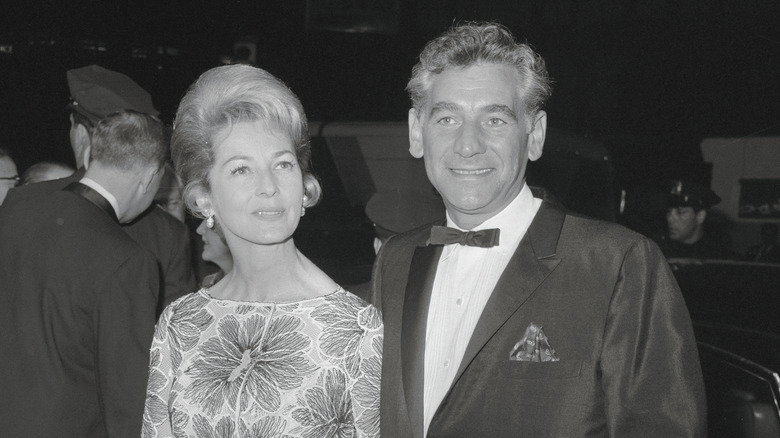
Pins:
x: 202, y: 203
x: 311, y: 191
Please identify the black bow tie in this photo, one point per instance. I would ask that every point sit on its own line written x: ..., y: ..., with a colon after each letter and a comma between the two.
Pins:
x: 481, y: 238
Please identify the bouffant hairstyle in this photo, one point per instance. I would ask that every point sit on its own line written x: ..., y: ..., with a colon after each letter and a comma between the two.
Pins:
x: 222, y: 97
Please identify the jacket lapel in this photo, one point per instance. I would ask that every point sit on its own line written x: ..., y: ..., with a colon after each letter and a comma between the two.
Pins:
x: 532, y: 262
x: 413, y: 329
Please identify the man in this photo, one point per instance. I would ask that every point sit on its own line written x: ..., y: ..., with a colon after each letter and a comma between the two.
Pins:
x: 78, y: 295
x: 568, y: 327
x: 688, y: 206
x: 97, y: 92
x: 9, y: 176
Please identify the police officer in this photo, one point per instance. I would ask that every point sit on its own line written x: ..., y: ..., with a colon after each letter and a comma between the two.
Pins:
x: 687, y: 206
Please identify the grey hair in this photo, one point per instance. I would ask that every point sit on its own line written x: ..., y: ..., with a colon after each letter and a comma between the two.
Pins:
x: 487, y: 43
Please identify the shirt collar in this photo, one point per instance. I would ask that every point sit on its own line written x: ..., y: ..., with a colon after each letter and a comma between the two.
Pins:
x: 513, y: 220
x: 103, y: 192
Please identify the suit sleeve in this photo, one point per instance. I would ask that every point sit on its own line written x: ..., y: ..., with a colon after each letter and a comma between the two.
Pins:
x: 651, y: 373
x: 179, y: 276
x: 124, y: 327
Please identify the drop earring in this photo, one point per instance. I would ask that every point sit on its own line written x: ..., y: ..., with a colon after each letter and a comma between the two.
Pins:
x: 210, y: 221
x: 303, y: 207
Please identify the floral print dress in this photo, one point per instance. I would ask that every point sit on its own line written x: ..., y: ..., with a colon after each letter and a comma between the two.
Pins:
x: 221, y: 368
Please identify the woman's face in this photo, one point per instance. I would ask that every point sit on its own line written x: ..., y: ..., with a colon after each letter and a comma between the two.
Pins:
x: 256, y: 184
x: 214, y: 248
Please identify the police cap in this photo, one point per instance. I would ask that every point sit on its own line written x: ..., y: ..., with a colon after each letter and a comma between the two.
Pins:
x: 97, y: 92
x: 691, y: 194
x: 400, y: 210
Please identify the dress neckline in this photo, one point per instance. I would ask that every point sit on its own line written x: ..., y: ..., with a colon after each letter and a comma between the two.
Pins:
x: 204, y: 291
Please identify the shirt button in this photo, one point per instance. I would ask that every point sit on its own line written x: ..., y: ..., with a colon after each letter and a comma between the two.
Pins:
x: 459, y: 301
x: 446, y: 364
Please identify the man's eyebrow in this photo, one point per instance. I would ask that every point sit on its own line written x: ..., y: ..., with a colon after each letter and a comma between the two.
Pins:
x: 503, y: 109
x: 444, y: 106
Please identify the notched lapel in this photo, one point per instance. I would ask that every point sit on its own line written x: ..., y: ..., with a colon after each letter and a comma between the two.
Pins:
x: 531, y: 264
x: 415, y: 318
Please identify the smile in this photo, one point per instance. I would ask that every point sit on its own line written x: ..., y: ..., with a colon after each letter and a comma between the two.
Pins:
x: 269, y: 213
x: 471, y: 172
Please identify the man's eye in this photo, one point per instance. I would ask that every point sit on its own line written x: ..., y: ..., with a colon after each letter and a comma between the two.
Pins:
x: 447, y: 120
x: 495, y: 121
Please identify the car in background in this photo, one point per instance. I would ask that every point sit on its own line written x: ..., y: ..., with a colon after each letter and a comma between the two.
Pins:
x: 735, y: 308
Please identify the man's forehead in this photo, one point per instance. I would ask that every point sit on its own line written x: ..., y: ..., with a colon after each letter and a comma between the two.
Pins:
x: 485, y: 88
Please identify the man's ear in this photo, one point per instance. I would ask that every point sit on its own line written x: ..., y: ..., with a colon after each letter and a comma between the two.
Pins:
x: 701, y: 215
x: 537, y: 135
x: 415, y: 134
x: 82, y: 146
x: 148, y: 178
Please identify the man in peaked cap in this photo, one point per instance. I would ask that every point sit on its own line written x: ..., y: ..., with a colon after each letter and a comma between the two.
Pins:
x: 97, y: 92
x: 400, y: 210
x: 688, y: 204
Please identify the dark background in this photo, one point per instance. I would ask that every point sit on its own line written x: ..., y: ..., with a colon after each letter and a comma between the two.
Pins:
x: 647, y: 79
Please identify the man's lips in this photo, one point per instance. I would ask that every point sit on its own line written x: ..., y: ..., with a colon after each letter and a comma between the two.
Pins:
x: 471, y: 172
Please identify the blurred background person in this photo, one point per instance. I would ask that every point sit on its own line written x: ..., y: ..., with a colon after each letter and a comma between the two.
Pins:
x: 397, y: 211
x: 96, y: 93
x: 169, y: 197
x: 9, y: 176
x: 275, y: 347
x: 688, y: 205
x: 215, y: 250
x: 77, y: 308
x: 768, y: 250
x: 46, y: 171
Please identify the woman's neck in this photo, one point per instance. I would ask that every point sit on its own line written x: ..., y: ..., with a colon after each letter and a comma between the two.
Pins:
x: 272, y: 273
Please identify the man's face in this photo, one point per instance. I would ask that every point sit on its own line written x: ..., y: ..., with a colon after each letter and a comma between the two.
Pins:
x: 476, y: 139
x: 685, y: 224
x: 9, y: 177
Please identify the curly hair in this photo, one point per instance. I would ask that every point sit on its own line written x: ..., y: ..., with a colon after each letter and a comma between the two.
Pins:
x: 222, y: 97
x: 474, y: 43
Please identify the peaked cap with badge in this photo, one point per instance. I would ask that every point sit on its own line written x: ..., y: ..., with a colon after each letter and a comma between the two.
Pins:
x: 691, y: 194
x: 97, y: 92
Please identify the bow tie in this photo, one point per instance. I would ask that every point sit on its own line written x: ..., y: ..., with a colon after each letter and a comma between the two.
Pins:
x: 481, y: 238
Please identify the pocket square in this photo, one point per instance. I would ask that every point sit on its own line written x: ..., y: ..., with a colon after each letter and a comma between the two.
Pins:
x: 533, y: 347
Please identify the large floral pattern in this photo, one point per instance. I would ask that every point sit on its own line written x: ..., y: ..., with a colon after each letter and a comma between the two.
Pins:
x: 346, y: 323
x: 241, y: 369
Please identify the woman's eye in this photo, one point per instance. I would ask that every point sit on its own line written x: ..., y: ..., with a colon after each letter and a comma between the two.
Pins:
x: 285, y: 165
x: 240, y: 170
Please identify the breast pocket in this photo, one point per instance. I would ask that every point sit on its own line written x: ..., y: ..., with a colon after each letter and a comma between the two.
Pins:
x: 545, y: 370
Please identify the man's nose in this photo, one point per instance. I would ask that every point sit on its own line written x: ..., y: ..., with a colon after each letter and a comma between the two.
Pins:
x: 469, y: 140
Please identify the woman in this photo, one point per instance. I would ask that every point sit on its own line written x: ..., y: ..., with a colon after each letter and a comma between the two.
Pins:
x: 275, y: 348
x: 215, y: 250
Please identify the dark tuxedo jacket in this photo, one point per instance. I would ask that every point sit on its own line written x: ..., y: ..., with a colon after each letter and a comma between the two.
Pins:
x: 77, y: 302
x: 155, y: 230
x: 608, y: 305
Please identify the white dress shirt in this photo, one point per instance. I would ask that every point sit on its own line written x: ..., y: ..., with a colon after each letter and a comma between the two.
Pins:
x: 103, y: 192
x: 465, y: 279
